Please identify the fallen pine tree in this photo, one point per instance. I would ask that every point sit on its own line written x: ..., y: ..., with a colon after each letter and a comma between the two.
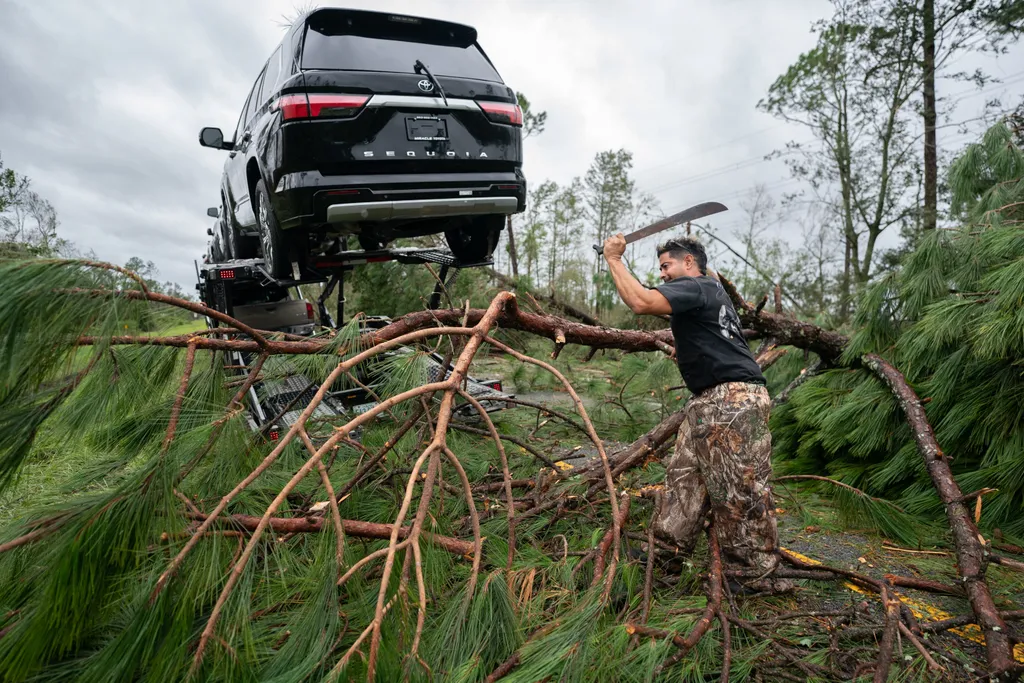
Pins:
x: 952, y: 317
x: 187, y: 546
x: 192, y: 547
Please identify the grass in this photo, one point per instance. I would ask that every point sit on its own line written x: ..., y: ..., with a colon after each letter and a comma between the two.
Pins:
x: 54, y: 461
x: 180, y: 328
x: 44, y: 477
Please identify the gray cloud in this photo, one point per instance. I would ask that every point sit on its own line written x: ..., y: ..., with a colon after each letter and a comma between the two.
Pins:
x: 102, y: 102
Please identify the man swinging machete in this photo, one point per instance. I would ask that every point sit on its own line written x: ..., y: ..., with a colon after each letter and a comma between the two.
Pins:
x: 721, y: 463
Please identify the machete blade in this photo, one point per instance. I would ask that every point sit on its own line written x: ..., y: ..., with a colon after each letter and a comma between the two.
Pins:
x: 686, y: 215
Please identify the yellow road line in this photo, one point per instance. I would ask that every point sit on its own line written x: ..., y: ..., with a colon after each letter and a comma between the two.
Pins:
x: 922, y: 611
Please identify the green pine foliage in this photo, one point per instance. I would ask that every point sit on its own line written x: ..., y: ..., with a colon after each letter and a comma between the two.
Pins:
x: 79, y: 605
x: 951, y: 318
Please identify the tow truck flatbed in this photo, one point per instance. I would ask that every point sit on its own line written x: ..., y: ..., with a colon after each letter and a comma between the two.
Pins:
x: 322, y: 268
x: 216, y: 280
x: 277, y: 400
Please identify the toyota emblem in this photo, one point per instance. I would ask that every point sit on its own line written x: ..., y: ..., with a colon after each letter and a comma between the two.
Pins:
x: 425, y: 85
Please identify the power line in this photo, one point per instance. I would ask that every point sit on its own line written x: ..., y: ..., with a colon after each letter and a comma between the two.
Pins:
x: 788, y: 181
x: 736, y: 166
x: 698, y: 153
x: 755, y: 160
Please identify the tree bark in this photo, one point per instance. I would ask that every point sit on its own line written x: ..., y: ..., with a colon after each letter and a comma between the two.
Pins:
x: 787, y: 331
x: 513, y: 257
x: 352, y: 527
x: 970, y: 553
x: 541, y: 325
x: 551, y: 299
x: 930, y: 143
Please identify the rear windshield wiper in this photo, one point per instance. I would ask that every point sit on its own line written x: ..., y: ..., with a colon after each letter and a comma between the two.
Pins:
x: 420, y: 67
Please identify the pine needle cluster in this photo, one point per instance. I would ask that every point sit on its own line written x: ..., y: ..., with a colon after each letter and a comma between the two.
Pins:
x: 84, y: 602
x: 951, y: 317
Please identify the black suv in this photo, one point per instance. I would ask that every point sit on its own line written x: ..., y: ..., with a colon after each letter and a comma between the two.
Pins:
x: 373, y: 126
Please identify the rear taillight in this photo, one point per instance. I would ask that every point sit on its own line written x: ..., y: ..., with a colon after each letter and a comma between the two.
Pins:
x: 293, y: 107
x: 496, y: 385
x: 309, y: 310
x: 503, y: 112
x: 274, y: 435
x: 227, y: 274
x: 319, y: 106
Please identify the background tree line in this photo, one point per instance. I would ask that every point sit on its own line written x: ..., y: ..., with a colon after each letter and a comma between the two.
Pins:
x: 866, y: 98
x: 28, y: 222
x: 28, y: 229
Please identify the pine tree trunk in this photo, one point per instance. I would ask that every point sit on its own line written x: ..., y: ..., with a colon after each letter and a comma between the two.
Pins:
x: 930, y: 145
x: 512, y: 255
x: 844, y: 294
x: 851, y: 267
x: 970, y: 550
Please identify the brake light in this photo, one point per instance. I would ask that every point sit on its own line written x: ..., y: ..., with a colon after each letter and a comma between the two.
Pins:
x: 335, y: 105
x: 495, y: 385
x: 227, y: 274
x: 303, y: 106
x: 293, y: 107
x: 309, y: 310
x: 503, y: 112
x: 274, y: 435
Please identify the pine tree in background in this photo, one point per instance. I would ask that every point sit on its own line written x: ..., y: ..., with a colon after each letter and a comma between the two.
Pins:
x: 951, y: 317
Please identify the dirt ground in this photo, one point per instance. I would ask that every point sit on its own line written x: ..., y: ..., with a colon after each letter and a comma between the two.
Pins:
x: 860, y: 550
x: 811, y: 527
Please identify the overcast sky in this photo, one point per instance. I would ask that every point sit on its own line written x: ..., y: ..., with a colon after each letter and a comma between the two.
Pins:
x: 101, y: 101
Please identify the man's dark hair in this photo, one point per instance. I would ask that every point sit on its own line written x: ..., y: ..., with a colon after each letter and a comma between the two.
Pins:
x: 681, y: 246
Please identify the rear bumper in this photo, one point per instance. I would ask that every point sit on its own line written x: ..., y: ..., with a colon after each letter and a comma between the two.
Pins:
x: 310, y: 199
x: 420, y: 208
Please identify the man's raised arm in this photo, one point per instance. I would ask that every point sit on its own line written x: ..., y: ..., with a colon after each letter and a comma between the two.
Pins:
x: 640, y: 300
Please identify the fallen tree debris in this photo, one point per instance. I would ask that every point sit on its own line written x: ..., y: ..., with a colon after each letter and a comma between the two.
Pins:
x: 449, y: 555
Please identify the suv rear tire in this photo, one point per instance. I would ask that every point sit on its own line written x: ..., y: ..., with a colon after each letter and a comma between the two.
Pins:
x: 476, y: 241
x: 273, y: 245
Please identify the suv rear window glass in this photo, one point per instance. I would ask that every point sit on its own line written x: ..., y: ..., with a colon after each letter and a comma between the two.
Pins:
x: 329, y: 50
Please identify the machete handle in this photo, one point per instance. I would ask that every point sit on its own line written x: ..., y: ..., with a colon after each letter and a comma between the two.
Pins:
x: 599, y: 249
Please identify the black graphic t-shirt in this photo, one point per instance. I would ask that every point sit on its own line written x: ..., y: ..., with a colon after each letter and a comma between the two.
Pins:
x: 710, y: 348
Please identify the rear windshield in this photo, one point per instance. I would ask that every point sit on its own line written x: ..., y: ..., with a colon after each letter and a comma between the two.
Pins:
x: 369, y: 53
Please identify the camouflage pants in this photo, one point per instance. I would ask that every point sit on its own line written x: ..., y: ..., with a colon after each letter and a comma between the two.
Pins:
x: 722, y: 465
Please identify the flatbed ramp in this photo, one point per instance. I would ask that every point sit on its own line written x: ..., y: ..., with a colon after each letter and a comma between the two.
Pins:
x: 278, y: 398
